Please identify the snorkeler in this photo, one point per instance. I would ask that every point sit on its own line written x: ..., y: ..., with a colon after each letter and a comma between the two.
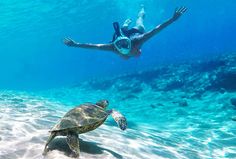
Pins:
x: 127, y: 42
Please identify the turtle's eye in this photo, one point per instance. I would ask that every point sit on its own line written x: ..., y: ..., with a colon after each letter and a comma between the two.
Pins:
x: 122, y: 124
x: 102, y: 103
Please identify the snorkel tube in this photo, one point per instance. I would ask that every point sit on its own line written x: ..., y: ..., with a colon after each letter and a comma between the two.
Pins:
x: 117, y: 28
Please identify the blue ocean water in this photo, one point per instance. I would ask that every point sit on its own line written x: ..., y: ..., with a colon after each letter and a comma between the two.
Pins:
x: 33, y: 56
x: 178, y: 96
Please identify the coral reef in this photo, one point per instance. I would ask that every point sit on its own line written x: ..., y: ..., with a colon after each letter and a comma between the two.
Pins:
x: 217, y: 74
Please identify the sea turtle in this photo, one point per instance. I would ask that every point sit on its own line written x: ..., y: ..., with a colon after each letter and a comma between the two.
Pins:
x: 81, y: 119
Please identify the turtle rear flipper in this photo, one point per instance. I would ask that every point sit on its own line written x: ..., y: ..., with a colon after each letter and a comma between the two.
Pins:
x: 51, y: 137
x: 120, y: 119
x: 73, y: 142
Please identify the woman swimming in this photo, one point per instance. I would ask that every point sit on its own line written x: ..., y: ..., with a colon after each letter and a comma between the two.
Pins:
x: 127, y: 42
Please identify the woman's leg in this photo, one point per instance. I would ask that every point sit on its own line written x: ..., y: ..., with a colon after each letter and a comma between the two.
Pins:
x: 139, y: 21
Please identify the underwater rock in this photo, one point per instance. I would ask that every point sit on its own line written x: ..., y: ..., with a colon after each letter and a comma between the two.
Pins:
x: 101, y: 85
x: 233, y: 101
x: 181, y: 112
x: 226, y: 80
x: 149, y: 75
x: 198, y: 93
x: 174, y: 85
x: 218, y: 74
x: 131, y: 89
x: 160, y: 104
x: 129, y: 96
x: 131, y: 86
x: 182, y: 103
x: 206, y: 66
x: 156, y: 105
x: 222, y: 90
x: 153, y: 106
x: 5, y: 96
x: 137, y: 90
x: 17, y: 100
x: 234, y: 118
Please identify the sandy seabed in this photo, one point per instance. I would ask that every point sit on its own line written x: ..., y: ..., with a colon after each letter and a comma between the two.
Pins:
x: 26, y: 120
x: 203, y: 129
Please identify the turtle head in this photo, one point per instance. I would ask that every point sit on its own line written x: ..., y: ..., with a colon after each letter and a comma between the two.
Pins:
x: 120, y: 119
x: 102, y: 103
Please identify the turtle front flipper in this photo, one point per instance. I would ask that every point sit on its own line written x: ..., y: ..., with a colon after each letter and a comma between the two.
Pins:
x: 73, y: 142
x: 120, y: 119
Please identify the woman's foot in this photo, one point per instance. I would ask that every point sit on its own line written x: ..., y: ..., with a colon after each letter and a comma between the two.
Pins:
x: 127, y: 23
x: 142, y: 12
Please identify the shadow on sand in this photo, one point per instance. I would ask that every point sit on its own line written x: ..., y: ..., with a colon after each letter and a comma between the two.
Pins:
x: 60, y: 144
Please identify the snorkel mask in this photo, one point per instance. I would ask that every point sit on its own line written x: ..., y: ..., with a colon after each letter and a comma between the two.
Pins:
x: 122, y: 43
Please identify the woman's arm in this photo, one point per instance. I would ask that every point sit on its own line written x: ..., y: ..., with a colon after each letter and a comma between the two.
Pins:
x: 150, y: 34
x: 72, y: 43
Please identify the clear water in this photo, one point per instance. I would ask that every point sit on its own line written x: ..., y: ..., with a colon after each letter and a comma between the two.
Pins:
x: 41, y: 79
x: 203, y: 129
x: 31, y: 33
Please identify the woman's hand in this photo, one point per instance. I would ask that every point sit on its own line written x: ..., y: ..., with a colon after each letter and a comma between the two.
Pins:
x: 178, y: 12
x: 69, y: 42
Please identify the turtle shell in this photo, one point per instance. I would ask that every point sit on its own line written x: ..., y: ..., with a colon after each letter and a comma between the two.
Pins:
x: 84, y: 118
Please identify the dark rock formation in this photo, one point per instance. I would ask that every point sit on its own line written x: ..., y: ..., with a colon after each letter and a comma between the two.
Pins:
x: 218, y: 74
x: 182, y: 103
x: 129, y: 96
x: 225, y: 79
x: 234, y: 118
x: 233, y: 101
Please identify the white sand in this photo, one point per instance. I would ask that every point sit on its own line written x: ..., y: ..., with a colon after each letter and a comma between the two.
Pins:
x: 25, y: 122
x: 203, y: 129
